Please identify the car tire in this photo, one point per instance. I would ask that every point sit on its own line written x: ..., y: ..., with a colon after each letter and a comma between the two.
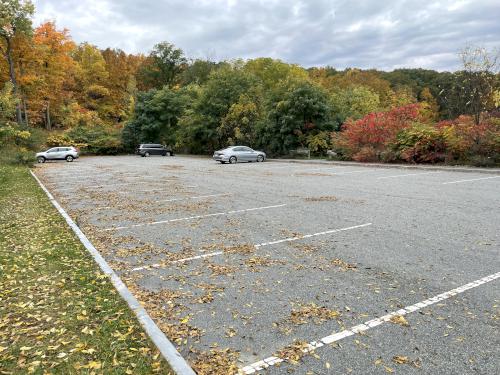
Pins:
x: 69, y: 158
x: 260, y: 159
x: 41, y: 159
x: 146, y: 154
x: 164, y: 154
x: 233, y: 160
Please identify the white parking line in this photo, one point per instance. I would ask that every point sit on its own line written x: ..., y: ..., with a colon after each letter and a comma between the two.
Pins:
x: 271, y: 361
x: 209, y: 255
x: 197, y: 197
x: 311, y: 235
x: 473, y: 179
x: 406, y: 175
x: 156, y: 265
x: 197, y: 217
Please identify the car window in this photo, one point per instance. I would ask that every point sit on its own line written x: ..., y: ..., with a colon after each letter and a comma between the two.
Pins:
x: 53, y: 149
x: 238, y: 149
x: 246, y: 149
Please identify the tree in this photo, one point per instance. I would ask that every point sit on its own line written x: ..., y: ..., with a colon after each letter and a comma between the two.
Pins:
x: 479, y: 68
x: 223, y: 89
x: 429, y: 106
x: 121, y: 83
x: 198, y: 71
x: 9, y: 131
x: 271, y: 72
x: 303, y: 110
x: 354, y: 102
x: 155, y: 117
x: 239, y: 123
x: 471, y: 90
x: 370, y: 79
x: 15, y: 19
x: 91, y: 78
x: 54, y: 71
x: 163, y: 66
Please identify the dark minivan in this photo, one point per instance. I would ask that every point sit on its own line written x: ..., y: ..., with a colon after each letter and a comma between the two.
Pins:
x: 149, y: 149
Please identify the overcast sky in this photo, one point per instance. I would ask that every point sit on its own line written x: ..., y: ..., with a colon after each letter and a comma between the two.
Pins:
x: 382, y: 34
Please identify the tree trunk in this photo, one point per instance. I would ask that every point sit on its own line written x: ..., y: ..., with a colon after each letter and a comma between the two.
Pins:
x: 25, y: 113
x: 48, y: 123
x: 12, y: 74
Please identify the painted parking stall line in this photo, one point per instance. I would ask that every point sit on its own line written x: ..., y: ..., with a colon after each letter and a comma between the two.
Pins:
x: 197, y: 217
x: 256, y: 246
x: 472, y: 179
x: 406, y: 175
x: 196, y: 197
x: 271, y: 361
x: 296, y: 238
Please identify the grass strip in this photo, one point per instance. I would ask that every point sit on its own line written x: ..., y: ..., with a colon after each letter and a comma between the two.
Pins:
x: 59, y: 314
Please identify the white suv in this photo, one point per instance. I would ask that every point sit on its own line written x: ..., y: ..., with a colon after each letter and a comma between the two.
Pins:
x: 57, y: 153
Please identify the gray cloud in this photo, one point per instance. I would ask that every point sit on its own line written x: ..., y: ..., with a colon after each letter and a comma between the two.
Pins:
x: 340, y: 33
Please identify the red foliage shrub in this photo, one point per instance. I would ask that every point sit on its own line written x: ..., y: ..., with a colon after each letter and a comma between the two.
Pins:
x: 465, y: 140
x: 366, y: 139
x: 420, y: 143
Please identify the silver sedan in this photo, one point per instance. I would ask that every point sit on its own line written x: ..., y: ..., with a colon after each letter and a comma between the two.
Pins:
x: 236, y: 154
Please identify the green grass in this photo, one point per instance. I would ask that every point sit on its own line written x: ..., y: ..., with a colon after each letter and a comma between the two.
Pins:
x: 59, y: 313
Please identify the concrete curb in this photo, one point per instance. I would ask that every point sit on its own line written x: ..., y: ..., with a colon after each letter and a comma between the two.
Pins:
x: 400, y: 166
x: 166, y: 348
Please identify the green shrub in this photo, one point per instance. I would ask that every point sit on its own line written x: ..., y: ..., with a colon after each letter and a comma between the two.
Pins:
x: 101, y: 139
x: 11, y: 154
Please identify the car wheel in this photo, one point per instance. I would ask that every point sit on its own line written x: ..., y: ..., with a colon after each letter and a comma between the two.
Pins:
x: 40, y: 159
x: 146, y: 154
x: 233, y: 159
x: 260, y: 158
x: 69, y: 158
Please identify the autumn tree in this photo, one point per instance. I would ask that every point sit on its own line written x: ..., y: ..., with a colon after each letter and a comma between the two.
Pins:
x: 480, y: 82
x: 162, y: 67
x: 429, y: 106
x: 370, y: 79
x: 15, y: 20
x: 239, y: 124
x: 54, y: 70
x: 91, y: 78
x: 271, y: 72
x: 121, y: 83
x: 354, y: 102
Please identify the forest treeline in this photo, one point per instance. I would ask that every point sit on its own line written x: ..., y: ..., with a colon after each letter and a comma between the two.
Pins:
x: 56, y: 91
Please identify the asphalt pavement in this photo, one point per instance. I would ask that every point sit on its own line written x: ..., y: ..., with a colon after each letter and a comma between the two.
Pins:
x: 253, y: 261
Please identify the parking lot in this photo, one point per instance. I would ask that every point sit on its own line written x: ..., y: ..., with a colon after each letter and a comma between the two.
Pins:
x: 245, y: 265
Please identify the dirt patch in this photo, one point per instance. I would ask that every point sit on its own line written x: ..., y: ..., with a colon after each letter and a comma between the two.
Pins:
x: 325, y: 198
x: 344, y: 266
